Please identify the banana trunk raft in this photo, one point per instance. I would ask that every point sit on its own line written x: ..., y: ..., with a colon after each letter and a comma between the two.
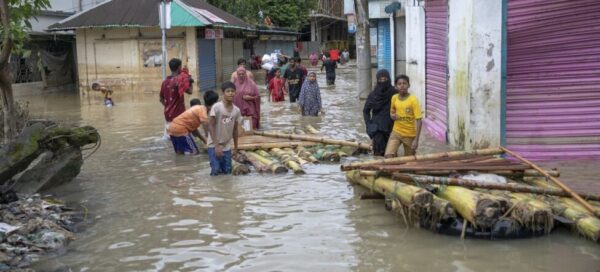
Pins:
x: 489, y: 193
x: 291, y: 151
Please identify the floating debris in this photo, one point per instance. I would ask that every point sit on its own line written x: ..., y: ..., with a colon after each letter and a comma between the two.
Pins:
x: 33, y: 227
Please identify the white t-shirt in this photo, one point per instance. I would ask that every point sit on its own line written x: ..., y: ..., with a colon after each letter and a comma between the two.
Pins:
x: 227, y: 120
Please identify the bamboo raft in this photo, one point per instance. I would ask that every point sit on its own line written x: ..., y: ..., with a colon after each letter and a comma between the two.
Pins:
x: 489, y: 193
x: 281, y: 153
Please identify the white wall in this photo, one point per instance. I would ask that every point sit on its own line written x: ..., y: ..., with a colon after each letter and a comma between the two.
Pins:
x: 113, y: 57
x: 400, y: 45
x: 474, y: 48
x: 415, y: 51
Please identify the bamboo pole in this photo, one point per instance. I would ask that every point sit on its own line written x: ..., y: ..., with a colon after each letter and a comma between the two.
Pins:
x: 480, y: 209
x: 288, y: 160
x: 511, y: 187
x: 255, y: 146
x: 425, y: 157
x: 528, y: 174
x: 260, y: 167
x: 555, y: 180
x: 409, y: 168
x: 304, y: 154
x: 239, y: 168
x: 311, y: 129
x: 413, y: 199
x: 274, y: 166
x: 313, y: 139
x: 534, y: 173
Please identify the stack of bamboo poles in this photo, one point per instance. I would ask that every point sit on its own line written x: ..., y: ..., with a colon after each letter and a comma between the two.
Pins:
x: 280, y: 158
x: 520, y: 191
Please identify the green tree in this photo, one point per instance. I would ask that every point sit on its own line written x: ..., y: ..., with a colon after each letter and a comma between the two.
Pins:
x: 15, y: 16
x: 283, y: 13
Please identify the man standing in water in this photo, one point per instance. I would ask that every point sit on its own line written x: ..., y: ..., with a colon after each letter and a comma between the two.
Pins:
x: 293, y: 77
x: 171, y: 97
x: 329, y: 66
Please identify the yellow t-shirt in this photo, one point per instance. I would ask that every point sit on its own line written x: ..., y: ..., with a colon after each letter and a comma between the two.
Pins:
x: 407, y: 111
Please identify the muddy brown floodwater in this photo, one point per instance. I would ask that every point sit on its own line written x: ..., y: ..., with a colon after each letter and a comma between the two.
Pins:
x: 152, y: 210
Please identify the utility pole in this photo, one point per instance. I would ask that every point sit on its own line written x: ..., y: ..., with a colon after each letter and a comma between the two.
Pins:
x: 164, y: 10
x: 363, y: 49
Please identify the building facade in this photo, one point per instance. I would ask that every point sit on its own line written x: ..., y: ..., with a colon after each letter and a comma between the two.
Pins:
x: 513, y: 72
x: 119, y: 43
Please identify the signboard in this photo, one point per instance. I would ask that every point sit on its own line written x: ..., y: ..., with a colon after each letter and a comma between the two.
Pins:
x: 373, y: 40
x: 351, y: 24
x: 210, y: 33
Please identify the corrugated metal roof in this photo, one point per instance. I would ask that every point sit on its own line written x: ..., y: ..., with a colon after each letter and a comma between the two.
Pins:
x: 139, y: 13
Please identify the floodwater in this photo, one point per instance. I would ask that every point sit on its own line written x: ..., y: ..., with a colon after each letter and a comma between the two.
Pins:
x: 150, y: 210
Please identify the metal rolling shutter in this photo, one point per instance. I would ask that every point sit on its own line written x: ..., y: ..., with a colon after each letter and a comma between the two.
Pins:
x: 228, y: 58
x: 238, y: 50
x: 436, y: 67
x: 553, y: 78
x: 207, y: 72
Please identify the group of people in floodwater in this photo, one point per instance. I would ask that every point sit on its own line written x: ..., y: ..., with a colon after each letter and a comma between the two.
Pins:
x: 391, y: 114
x: 240, y: 99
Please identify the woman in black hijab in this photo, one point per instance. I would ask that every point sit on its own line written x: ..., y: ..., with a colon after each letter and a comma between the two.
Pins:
x: 377, y: 112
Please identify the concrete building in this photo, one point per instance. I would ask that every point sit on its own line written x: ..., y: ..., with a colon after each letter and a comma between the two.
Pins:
x: 519, y: 73
x: 50, y: 62
x: 328, y: 26
x: 388, y: 42
x: 119, y: 43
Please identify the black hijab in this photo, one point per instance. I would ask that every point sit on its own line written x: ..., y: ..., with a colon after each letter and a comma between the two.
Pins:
x: 377, y: 107
x: 381, y: 96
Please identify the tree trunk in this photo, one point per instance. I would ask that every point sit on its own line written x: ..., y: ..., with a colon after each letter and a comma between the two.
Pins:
x: 8, y: 104
x: 363, y: 49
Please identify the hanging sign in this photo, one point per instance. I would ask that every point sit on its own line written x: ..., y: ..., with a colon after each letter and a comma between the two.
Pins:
x: 210, y: 33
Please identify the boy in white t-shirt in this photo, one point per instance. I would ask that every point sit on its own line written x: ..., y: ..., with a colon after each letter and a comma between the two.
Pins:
x: 224, y: 118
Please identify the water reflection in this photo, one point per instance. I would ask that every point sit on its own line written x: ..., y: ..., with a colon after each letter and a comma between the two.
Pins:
x: 152, y: 210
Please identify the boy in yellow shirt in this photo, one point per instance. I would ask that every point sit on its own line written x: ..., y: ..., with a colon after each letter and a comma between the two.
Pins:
x: 406, y: 113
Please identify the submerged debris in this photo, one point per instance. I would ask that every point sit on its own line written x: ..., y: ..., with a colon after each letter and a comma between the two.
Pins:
x: 33, y: 227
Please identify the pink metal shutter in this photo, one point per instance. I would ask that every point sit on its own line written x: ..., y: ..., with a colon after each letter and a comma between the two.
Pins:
x: 436, y: 67
x: 553, y: 78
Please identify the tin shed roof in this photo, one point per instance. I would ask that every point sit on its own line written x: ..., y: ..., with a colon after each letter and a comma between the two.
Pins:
x: 144, y: 13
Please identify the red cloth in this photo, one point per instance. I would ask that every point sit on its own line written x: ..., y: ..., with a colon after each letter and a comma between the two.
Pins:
x: 276, y: 87
x: 334, y: 54
x: 173, y: 102
x: 246, y: 86
x: 183, y: 81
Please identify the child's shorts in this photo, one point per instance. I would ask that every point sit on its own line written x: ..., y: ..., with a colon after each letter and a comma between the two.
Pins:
x: 394, y: 143
x: 184, y: 144
x: 219, y: 166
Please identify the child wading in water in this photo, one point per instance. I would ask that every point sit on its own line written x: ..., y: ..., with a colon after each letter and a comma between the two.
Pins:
x: 406, y: 113
x: 106, y: 92
x: 224, y: 119
x: 186, y: 125
x: 310, y: 96
x: 277, y: 87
